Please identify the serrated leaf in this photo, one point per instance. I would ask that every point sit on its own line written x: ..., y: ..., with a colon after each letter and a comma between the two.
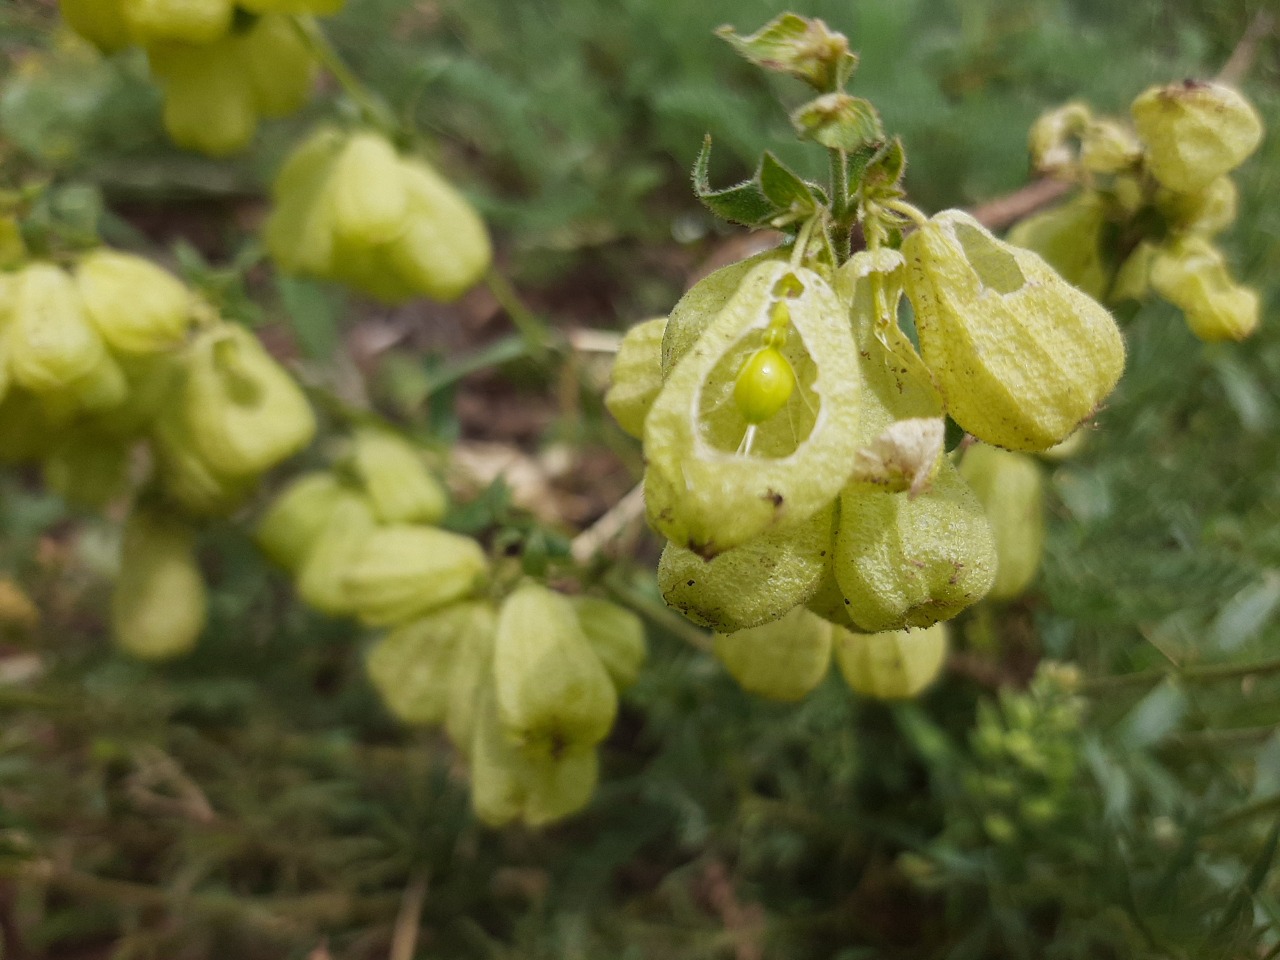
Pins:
x: 883, y: 172
x: 839, y: 122
x: 795, y: 45
x: 745, y: 203
x: 785, y: 188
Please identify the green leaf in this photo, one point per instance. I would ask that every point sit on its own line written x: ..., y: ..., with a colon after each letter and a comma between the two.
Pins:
x: 839, y: 122
x: 313, y: 313
x: 1247, y: 612
x: 774, y: 197
x: 806, y: 49
x: 884, y: 170
x: 786, y: 190
x: 1155, y: 717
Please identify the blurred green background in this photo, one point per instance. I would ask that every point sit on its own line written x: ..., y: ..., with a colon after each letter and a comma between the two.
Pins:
x: 726, y: 827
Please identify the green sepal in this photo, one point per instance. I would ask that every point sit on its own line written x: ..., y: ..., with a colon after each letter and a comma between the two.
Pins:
x: 806, y: 49
x: 774, y: 197
x: 839, y: 121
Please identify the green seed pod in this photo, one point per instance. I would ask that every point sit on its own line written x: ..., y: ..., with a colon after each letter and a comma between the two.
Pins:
x: 616, y: 635
x: 322, y: 578
x: 444, y: 250
x: 298, y: 516
x: 88, y: 468
x: 1109, y: 147
x: 150, y: 383
x: 369, y: 192
x: 413, y: 667
x: 101, y: 22
x: 299, y: 229
x: 101, y: 390
x: 244, y: 411
x: 910, y: 562
x: 186, y: 477
x: 1133, y: 279
x: 401, y: 572
x: 499, y: 771
x: 1207, y: 212
x: 637, y: 375
x: 51, y: 342
x: 1195, y: 132
x: 1068, y: 236
x: 896, y: 665
x: 1191, y: 274
x: 158, y: 606
x: 136, y: 306
x: 553, y: 691
x: 209, y: 103
x: 1011, y: 490
x: 561, y: 785
x: 469, y: 683
x: 783, y: 660
x: 1021, y: 356
x: 716, y: 480
x: 398, y: 485
x: 752, y: 584
x: 187, y: 21
x: 280, y: 67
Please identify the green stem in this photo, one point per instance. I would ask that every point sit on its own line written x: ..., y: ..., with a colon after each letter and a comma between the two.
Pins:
x: 840, y: 206
x: 1212, y: 673
x: 659, y: 613
x: 372, y: 107
x: 535, y: 332
x: 1246, y: 813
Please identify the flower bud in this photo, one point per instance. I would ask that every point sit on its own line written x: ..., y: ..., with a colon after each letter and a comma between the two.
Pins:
x: 1109, y: 147
x: 298, y: 516
x: 637, y: 375
x: 136, y: 306
x: 896, y: 665
x: 752, y: 584
x: 158, y: 606
x: 1192, y: 275
x: 716, y: 480
x: 1207, y: 212
x: 279, y: 65
x: 783, y: 660
x: 322, y: 577
x: 101, y: 22
x: 51, y: 342
x: 1068, y: 236
x: 910, y: 562
x: 368, y: 191
x: 414, y: 666
x: 616, y: 635
x: 88, y: 468
x: 401, y: 572
x: 245, y: 413
x: 1053, y: 135
x: 1021, y: 356
x: 444, y: 250
x: 209, y: 102
x: 553, y: 691
x: 189, y: 21
x: 1195, y: 132
x: 1011, y: 491
x: 398, y: 485
x: 299, y: 229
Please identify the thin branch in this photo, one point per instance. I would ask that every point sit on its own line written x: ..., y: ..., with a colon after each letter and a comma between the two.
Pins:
x: 1241, y: 60
x: 404, y: 942
x: 1213, y: 673
x: 1009, y: 209
x: 620, y: 518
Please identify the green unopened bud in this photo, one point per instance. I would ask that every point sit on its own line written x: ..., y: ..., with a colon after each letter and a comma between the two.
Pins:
x: 1053, y: 137
x: 910, y: 562
x: 1195, y: 132
x: 186, y: 477
x: 1191, y: 274
x: 404, y: 571
x: 1207, y: 212
x: 1109, y: 147
x: 322, y: 578
x: 101, y: 22
x: 51, y: 342
x: 209, y: 101
x: 298, y: 516
x: 158, y: 606
x: 715, y: 480
x: 299, y: 230
x: 637, y: 375
x: 88, y: 468
x: 191, y: 21
x: 553, y: 691
x: 280, y: 66
x: 1011, y: 490
x: 1069, y: 236
x: 752, y: 584
x: 245, y: 412
x: 896, y: 665
x: 397, y: 482
x: 1021, y: 356
x: 413, y: 667
x: 783, y: 660
x: 100, y: 390
x: 136, y: 306
x: 368, y: 191
x: 616, y: 635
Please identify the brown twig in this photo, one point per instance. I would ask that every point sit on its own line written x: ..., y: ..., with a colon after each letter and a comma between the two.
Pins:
x: 1241, y: 60
x: 1009, y: 209
x: 404, y: 941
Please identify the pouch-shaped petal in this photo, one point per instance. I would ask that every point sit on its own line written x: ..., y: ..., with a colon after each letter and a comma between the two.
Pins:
x: 135, y: 305
x: 783, y: 660
x: 1207, y: 212
x: 370, y: 193
x: 413, y: 666
x: 553, y: 691
x: 470, y: 684
x: 190, y: 21
x: 322, y: 578
x: 637, y: 375
x: 297, y: 517
x: 1021, y: 356
x: 910, y: 562
x: 186, y: 477
x: 101, y: 22
x: 245, y: 412
x: 499, y: 771
x: 395, y: 478
x: 281, y: 68
x: 404, y: 571
x: 751, y: 584
x: 1195, y: 132
x: 895, y: 665
x: 1069, y: 236
x: 1011, y: 489
x: 51, y: 342
x: 158, y: 603
x: 715, y: 481
x: 616, y: 635
x: 208, y: 97
x: 1192, y: 275
x: 561, y: 785
x: 299, y: 229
